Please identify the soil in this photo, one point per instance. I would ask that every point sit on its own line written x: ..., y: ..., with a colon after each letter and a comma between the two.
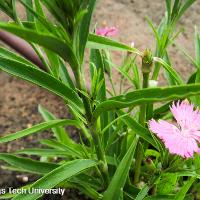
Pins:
x: 19, y: 100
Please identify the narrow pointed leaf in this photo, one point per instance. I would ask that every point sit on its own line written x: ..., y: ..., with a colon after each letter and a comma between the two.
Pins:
x: 183, y: 191
x: 27, y: 164
x: 59, y: 132
x: 13, y: 56
x: 84, y: 28
x: 143, y: 193
x: 45, y: 40
x: 170, y: 70
x: 138, y: 129
x: 40, y: 78
x: 118, y: 181
x: 47, y: 152
x: 149, y: 95
x: 57, y: 176
x: 35, y: 129
x: 99, y: 42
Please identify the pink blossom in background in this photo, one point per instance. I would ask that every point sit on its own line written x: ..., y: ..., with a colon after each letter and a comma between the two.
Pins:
x: 112, y: 31
x: 183, y: 138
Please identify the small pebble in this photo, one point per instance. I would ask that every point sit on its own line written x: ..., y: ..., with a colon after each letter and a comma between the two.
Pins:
x: 29, y: 125
x: 22, y: 178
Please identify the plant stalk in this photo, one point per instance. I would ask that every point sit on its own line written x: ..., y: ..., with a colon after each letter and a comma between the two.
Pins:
x: 82, y: 87
x: 147, y: 61
x: 100, y: 152
x: 93, y: 127
x: 142, y: 119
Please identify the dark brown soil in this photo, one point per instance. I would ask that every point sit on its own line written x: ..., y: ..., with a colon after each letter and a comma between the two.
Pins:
x: 19, y: 100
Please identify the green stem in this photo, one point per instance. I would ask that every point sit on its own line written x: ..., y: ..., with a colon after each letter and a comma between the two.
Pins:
x: 142, y: 119
x: 112, y: 85
x: 138, y: 162
x: 93, y: 127
x: 82, y: 87
x: 100, y: 152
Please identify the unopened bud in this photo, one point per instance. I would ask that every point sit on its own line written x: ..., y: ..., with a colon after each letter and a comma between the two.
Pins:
x: 147, y: 61
x: 153, y: 83
x: 132, y: 44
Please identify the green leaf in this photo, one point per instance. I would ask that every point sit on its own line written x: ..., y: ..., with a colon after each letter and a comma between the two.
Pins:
x: 45, y: 40
x: 47, y: 152
x: 187, y: 55
x: 184, y: 7
x: 160, y: 197
x: 39, y: 127
x: 149, y: 95
x: 197, y: 48
x: 57, y: 12
x: 40, y: 78
x: 161, y: 111
x: 53, y: 62
x: 192, y: 78
x: 170, y: 70
x: 169, y: 77
x: 27, y: 164
x: 40, y: 22
x: 13, y: 56
x: 65, y: 76
x: 154, y: 30
x: 118, y: 181
x: 29, y: 14
x: 87, y: 184
x: 75, y: 149
x: 168, y: 6
x: 59, y: 132
x: 84, y: 28
x: 99, y: 42
x: 138, y: 129
x: 183, y: 191
x: 7, y: 8
x: 98, y: 82
x: 143, y: 193
x: 167, y: 183
x: 57, y: 176
x: 188, y: 174
x: 97, y: 65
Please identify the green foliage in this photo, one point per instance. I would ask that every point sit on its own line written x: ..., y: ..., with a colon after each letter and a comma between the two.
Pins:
x: 118, y: 181
x: 115, y: 155
x: 167, y: 183
x: 7, y: 7
x: 27, y: 164
x: 58, y: 175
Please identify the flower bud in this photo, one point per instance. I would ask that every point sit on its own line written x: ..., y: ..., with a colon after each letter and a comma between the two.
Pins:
x: 153, y: 83
x: 147, y: 61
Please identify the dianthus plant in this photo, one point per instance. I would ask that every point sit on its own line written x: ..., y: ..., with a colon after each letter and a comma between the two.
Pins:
x: 136, y: 140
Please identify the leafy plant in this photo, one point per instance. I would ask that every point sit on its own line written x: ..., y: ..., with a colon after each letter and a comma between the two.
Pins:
x: 118, y: 157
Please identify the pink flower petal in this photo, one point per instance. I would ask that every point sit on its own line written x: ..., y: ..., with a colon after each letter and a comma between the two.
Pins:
x: 185, y: 115
x: 163, y: 129
x: 112, y: 31
x: 179, y: 142
x: 181, y: 145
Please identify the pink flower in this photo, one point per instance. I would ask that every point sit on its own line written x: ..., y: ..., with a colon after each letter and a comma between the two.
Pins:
x: 183, y: 138
x: 112, y: 31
